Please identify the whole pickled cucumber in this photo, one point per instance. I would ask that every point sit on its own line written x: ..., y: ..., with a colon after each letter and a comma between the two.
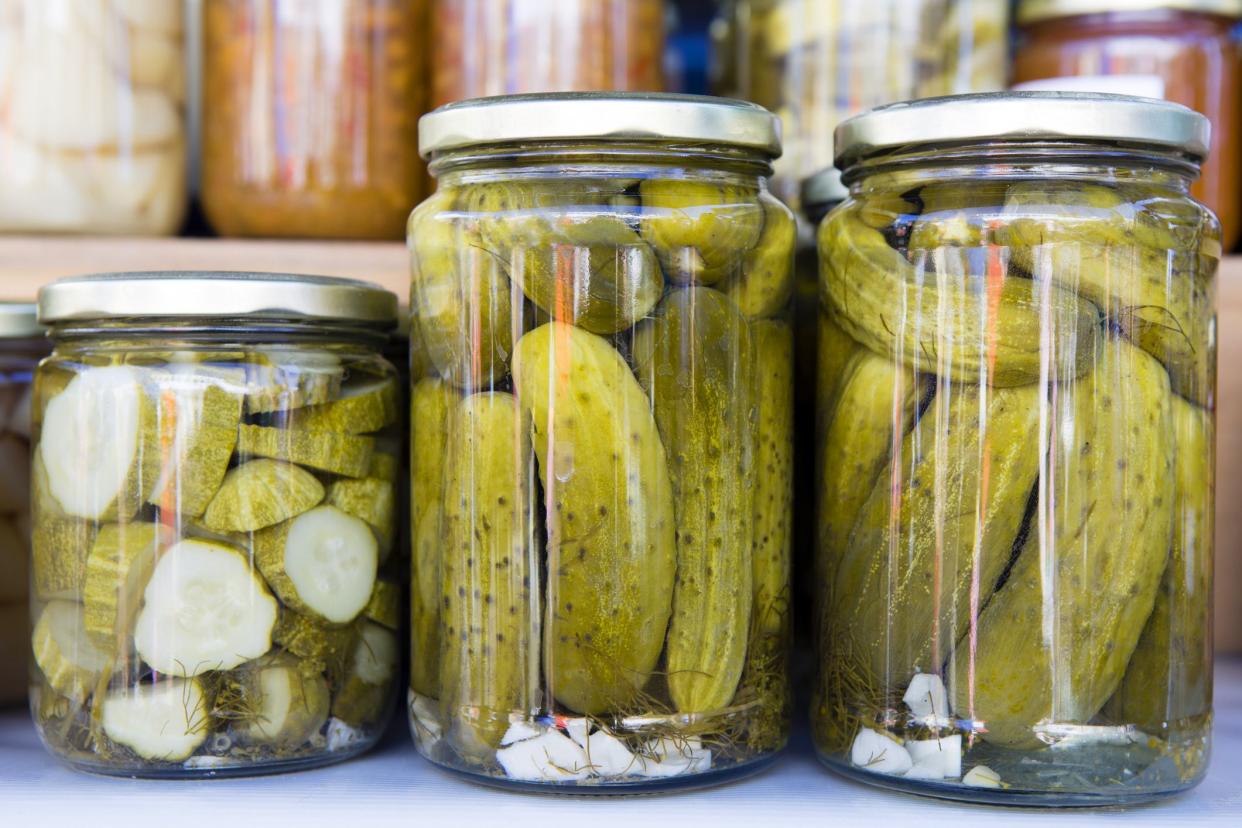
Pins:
x: 1054, y: 641
x: 1170, y: 674
x: 460, y: 297
x: 700, y: 230
x: 432, y: 405
x: 611, y: 550
x: 489, y: 625
x: 1091, y: 214
x: 765, y: 283
x: 969, y: 328
x: 695, y: 358
x: 955, y: 524
x: 834, y: 349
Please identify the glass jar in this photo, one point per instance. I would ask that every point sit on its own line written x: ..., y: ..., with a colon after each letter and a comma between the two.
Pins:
x: 21, y: 346
x: 816, y: 62
x: 601, y: 466
x: 1181, y: 50
x: 92, y: 117
x: 1020, y: 369
x: 504, y: 47
x: 216, y: 586
x: 310, y: 113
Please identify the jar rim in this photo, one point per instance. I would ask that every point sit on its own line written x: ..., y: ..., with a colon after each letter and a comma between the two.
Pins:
x: 217, y: 295
x: 1036, y: 11
x: 1024, y: 117
x: 600, y: 116
x: 19, y: 320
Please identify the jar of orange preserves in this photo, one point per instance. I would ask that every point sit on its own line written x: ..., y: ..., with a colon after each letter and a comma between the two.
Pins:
x: 1181, y: 50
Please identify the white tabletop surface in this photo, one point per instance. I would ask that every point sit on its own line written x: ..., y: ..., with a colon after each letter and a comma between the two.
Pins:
x: 393, y: 786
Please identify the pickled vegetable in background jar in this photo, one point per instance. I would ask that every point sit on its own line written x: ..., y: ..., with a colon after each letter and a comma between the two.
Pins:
x: 1018, y: 365
x: 1181, y: 50
x: 21, y: 346
x: 505, y: 47
x: 216, y: 585
x: 816, y: 62
x: 92, y: 117
x: 601, y: 460
x: 310, y: 113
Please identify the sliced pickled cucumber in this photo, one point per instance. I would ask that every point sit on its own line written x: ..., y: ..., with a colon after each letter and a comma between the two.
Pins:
x: 59, y: 548
x: 696, y: 360
x: 117, y: 569
x: 162, y: 722
x: 489, y: 627
x: 763, y: 287
x: 701, y: 231
x: 611, y: 549
x: 322, y: 562
x: 367, y: 686
x: 432, y: 405
x: 286, y: 702
x: 70, y: 661
x: 259, y: 494
x: 972, y: 328
x: 204, y: 609
x: 384, y: 608
x: 371, y: 500
x: 327, y: 451
x: 1054, y: 641
x: 384, y: 466
x: 196, y: 435
x: 93, y: 436
x: 359, y: 409
x: 280, y: 380
x: 1169, y: 676
x: 313, y: 639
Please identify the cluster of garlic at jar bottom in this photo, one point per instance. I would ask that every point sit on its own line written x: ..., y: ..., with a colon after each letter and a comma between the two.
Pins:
x: 92, y: 124
x: 211, y: 559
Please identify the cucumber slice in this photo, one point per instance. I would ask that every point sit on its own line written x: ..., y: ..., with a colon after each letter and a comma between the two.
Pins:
x: 117, y: 570
x: 372, y: 501
x: 326, y: 451
x: 259, y: 494
x: 91, y: 443
x: 204, y: 609
x: 284, y: 380
x: 323, y: 562
x: 69, y: 660
x: 59, y: 548
x: 384, y: 608
x: 164, y: 722
x: 384, y: 466
x: 360, y: 409
x: 364, y: 693
x: 310, y: 638
x: 289, y: 702
x: 197, y: 435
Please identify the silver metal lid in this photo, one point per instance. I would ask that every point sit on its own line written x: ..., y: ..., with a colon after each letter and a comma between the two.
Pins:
x: 822, y: 190
x: 599, y: 116
x: 1033, y: 11
x: 1020, y: 117
x: 216, y: 294
x: 18, y: 320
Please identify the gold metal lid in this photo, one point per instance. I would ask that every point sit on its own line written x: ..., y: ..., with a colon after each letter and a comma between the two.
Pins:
x: 216, y: 295
x: 599, y: 116
x: 1034, y: 11
x: 1023, y: 117
x: 823, y: 190
x: 18, y: 320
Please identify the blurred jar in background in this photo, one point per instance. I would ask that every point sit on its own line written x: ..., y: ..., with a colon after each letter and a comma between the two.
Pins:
x: 816, y: 62
x: 92, y: 122
x: 506, y: 47
x: 310, y: 116
x: 1181, y: 50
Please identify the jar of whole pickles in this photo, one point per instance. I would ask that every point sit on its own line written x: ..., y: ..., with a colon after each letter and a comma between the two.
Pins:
x: 601, y: 462
x: 215, y: 583
x: 816, y: 62
x: 92, y: 117
x: 21, y: 346
x: 310, y: 113
x: 505, y: 47
x: 1018, y: 374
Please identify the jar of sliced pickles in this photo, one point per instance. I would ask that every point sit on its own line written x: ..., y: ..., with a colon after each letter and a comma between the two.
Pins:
x: 601, y: 462
x: 21, y: 346
x: 310, y: 113
x: 1017, y: 377
x: 215, y: 583
x: 92, y: 117
x: 816, y: 62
